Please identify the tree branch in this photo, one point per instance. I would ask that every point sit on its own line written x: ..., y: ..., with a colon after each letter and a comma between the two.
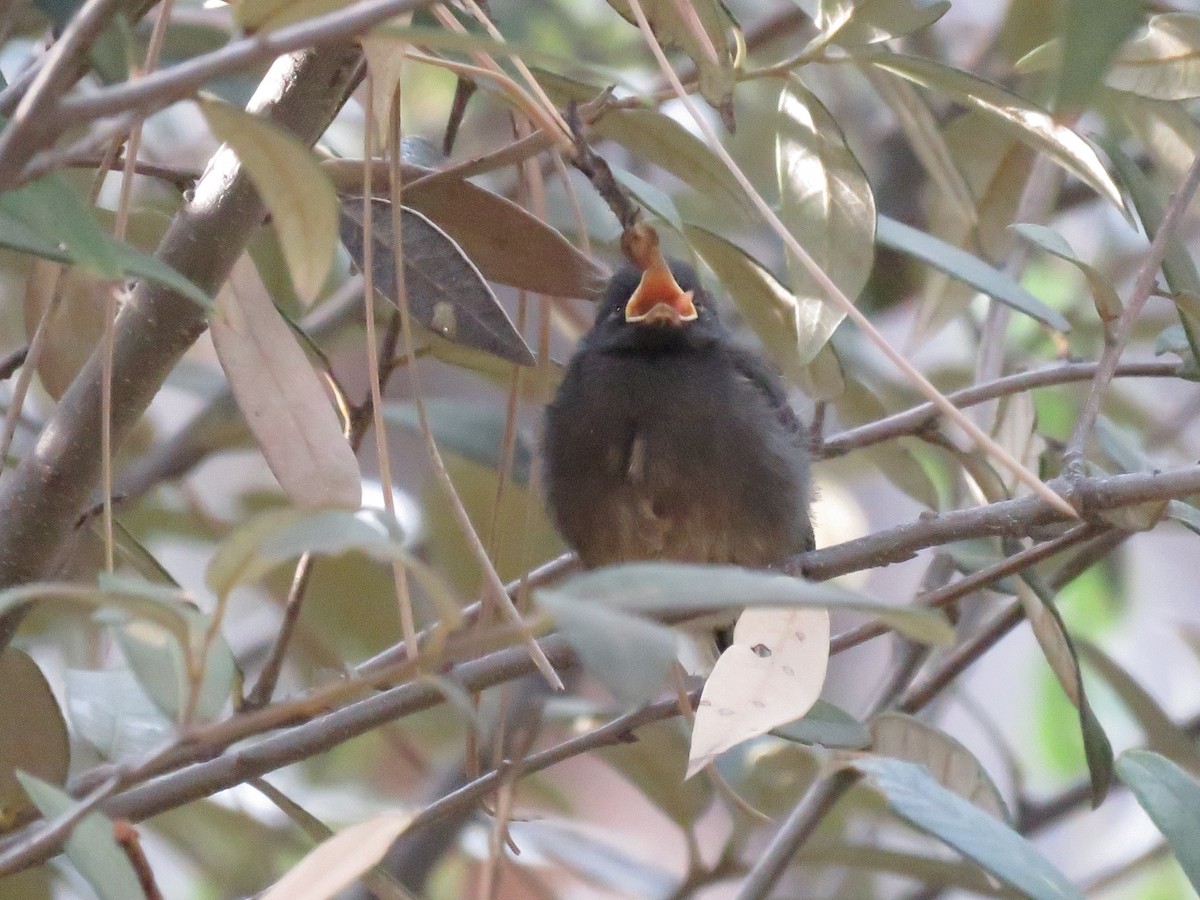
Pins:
x: 55, y: 481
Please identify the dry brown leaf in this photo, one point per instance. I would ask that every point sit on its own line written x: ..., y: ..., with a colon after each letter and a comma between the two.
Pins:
x: 281, y: 396
x: 771, y: 675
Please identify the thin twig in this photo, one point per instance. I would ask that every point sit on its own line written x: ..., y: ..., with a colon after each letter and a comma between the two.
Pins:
x: 127, y: 839
x: 44, y: 838
x: 1142, y: 288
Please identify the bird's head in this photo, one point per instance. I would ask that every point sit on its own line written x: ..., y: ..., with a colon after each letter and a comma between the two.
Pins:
x: 664, y: 305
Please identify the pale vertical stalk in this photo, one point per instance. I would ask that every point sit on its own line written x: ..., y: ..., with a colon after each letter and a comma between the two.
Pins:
x: 492, y: 579
x: 399, y: 575
x: 113, y: 301
x: 835, y: 294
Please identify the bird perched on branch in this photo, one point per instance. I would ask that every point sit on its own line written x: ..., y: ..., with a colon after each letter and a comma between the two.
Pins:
x: 666, y: 440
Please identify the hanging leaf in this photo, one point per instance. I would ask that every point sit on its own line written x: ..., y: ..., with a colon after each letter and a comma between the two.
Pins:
x: 769, y: 308
x: 1032, y: 125
x: 299, y: 196
x: 1162, y: 734
x: 701, y: 29
x: 913, y: 794
x: 654, y: 589
x: 1163, y: 61
x: 445, y: 291
x: 283, y: 401
x: 631, y: 655
x: 1104, y: 295
x: 1051, y: 633
x: 953, y: 766
x: 33, y: 736
x: 337, y: 863
x: 90, y: 846
x: 1172, y: 800
x: 827, y: 204
x: 771, y: 674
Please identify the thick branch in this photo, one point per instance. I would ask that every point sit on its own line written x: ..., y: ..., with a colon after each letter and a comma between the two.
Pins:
x: 40, y: 503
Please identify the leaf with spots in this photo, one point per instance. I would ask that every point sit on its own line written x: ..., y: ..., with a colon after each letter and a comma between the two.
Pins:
x: 446, y: 293
x: 772, y: 674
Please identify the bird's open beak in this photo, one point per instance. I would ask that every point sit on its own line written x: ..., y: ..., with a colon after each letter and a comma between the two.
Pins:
x: 659, y: 298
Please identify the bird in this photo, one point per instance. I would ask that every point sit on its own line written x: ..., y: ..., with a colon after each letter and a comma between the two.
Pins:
x: 666, y: 440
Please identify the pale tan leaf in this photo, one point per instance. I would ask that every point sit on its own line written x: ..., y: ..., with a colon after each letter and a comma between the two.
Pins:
x: 949, y: 762
x: 335, y: 864
x: 385, y: 62
x: 827, y: 204
x: 1163, y: 62
x: 75, y: 324
x: 300, y: 197
x: 281, y: 396
x: 772, y: 674
x: 33, y: 737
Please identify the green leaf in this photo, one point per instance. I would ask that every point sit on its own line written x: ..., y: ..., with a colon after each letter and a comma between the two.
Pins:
x: 1104, y: 295
x: 769, y: 308
x: 91, y: 846
x: 826, y: 725
x: 631, y: 655
x: 1092, y: 34
x: 44, y: 239
x: 52, y: 211
x: 1032, y: 125
x: 1163, y: 62
x: 652, y: 198
x: 1172, y: 800
x: 701, y: 29
x: 1059, y: 650
x: 1162, y: 734
x: 662, y: 588
x: 827, y: 204
x: 968, y: 268
x: 916, y: 797
x: 271, y: 538
x: 899, y: 736
x: 298, y: 194
x: 654, y: 761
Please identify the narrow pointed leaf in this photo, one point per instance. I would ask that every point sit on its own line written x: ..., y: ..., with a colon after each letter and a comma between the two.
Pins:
x: 91, y: 846
x: 1104, y: 295
x: 663, y: 588
x: 827, y: 204
x: 299, y: 196
x: 828, y: 726
x: 1093, y: 32
x: 913, y: 794
x: 1172, y: 800
x: 281, y: 396
x: 968, y: 268
x: 446, y: 293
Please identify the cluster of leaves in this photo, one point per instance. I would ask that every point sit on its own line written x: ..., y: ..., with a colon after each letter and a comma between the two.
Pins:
x: 967, y: 216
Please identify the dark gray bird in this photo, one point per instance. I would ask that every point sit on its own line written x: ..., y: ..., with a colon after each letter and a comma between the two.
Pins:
x: 667, y: 441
